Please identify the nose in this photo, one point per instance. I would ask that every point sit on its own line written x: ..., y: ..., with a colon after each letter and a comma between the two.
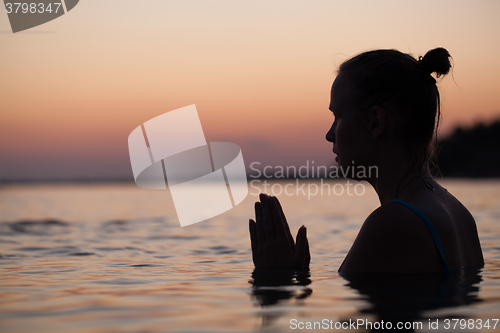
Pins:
x: 330, y: 136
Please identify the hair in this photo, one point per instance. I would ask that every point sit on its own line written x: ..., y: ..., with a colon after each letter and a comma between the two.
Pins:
x: 405, y: 87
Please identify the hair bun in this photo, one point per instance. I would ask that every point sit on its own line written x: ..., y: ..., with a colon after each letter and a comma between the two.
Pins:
x: 436, y: 61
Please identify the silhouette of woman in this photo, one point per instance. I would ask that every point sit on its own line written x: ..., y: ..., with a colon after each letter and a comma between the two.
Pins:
x: 387, y: 109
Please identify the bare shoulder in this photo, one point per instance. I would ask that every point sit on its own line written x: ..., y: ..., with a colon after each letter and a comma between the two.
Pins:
x: 392, y: 216
x: 458, y: 232
x: 392, y: 239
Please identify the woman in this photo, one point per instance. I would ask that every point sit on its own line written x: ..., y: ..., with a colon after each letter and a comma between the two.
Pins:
x: 386, y: 106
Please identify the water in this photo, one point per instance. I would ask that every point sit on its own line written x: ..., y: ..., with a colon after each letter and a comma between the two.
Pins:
x: 113, y: 258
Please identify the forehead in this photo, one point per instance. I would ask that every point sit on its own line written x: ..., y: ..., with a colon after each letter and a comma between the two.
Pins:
x: 339, y: 95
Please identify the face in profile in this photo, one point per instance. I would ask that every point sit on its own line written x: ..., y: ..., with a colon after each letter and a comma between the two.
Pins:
x: 352, y: 142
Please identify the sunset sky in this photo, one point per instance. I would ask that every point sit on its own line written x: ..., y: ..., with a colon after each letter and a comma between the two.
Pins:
x: 259, y: 72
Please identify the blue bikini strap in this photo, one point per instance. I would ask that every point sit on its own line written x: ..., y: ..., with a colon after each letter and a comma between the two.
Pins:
x: 432, y: 230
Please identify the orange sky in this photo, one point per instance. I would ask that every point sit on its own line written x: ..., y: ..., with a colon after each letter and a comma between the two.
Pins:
x: 259, y: 72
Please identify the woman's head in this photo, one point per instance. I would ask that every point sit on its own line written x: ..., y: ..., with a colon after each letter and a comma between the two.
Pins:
x: 401, y: 85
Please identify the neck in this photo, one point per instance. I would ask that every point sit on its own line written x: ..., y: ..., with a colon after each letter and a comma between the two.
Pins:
x: 399, y: 182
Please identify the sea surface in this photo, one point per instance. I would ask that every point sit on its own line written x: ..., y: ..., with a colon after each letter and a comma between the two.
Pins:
x: 113, y: 258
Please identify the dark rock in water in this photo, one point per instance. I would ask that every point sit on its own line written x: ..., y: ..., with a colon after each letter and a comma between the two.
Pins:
x: 37, y: 227
x: 471, y: 153
x: 82, y: 254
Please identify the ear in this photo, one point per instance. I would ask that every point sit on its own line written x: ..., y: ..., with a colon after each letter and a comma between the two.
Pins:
x: 378, y: 121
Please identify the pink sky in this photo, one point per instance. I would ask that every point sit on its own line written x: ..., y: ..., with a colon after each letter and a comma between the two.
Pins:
x: 259, y: 72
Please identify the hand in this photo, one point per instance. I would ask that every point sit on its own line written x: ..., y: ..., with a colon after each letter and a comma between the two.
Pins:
x: 272, y: 242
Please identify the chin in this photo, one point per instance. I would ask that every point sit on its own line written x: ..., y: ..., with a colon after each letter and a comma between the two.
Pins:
x: 341, y: 163
x: 356, y: 171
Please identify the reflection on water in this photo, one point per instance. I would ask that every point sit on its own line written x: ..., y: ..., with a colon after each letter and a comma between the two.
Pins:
x: 409, y: 298
x: 271, y: 286
x: 391, y: 299
x: 109, y: 258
